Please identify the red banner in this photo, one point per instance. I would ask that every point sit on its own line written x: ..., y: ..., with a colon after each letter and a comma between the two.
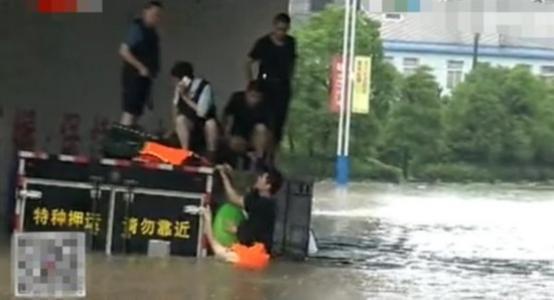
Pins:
x: 337, y: 78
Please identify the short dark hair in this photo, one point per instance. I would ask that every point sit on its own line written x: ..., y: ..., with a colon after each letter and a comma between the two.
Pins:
x: 181, y: 69
x: 254, y: 85
x: 151, y: 4
x: 282, y: 18
x: 274, y: 178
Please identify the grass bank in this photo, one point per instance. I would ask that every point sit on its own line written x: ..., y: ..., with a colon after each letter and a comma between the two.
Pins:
x: 319, y: 168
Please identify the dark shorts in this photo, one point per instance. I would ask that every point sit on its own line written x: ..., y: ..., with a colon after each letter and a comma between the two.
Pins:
x: 184, y: 110
x: 243, y: 131
x: 136, y: 92
x: 246, y: 237
x: 197, y: 134
x: 278, y: 99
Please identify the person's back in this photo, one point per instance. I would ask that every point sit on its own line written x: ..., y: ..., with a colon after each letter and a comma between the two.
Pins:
x: 260, y: 223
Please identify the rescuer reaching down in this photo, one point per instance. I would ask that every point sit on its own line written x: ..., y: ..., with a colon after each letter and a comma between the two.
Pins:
x: 246, y: 121
x: 255, y: 234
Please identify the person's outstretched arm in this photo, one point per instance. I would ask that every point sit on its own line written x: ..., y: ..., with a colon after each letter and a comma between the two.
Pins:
x: 220, y: 251
x: 232, y: 195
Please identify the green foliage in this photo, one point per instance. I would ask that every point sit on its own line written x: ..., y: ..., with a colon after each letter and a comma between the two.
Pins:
x: 496, y: 116
x: 476, y: 117
x: 378, y: 170
x: 312, y: 129
x: 324, y: 167
x: 454, y: 172
x: 496, y: 125
x: 413, y: 130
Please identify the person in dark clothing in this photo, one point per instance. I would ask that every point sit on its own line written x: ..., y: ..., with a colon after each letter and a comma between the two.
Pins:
x: 141, y: 62
x: 246, y: 122
x: 194, y: 109
x: 275, y: 56
x: 260, y: 207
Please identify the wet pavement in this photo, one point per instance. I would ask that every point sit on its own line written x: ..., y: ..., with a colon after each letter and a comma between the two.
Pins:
x: 376, y: 242
x: 183, y: 278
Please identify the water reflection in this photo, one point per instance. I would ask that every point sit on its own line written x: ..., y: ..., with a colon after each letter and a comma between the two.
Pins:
x: 377, y: 242
x: 465, y: 241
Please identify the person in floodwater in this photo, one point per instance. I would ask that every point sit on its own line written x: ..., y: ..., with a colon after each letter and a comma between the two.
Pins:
x: 194, y: 110
x: 256, y: 232
x: 246, y: 123
x: 141, y: 63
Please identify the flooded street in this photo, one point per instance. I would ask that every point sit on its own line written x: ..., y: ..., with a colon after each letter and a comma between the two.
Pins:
x: 376, y: 242
x: 443, y: 242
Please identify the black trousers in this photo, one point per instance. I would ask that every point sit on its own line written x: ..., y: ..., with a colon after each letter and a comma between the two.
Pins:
x: 136, y: 92
x: 277, y: 96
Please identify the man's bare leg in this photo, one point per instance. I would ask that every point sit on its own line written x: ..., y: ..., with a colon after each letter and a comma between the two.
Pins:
x: 219, y: 250
x: 238, y: 147
x: 183, y: 127
x: 260, y: 140
x: 127, y: 119
x: 210, y: 132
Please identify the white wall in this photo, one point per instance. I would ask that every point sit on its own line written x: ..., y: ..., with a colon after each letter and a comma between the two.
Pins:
x: 438, y: 63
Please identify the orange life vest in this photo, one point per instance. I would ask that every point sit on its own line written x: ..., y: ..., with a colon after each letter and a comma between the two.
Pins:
x: 254, y: 257
x: 165, y: 154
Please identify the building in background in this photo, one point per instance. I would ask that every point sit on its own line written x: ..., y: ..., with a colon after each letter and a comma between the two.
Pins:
x: 411, y: 40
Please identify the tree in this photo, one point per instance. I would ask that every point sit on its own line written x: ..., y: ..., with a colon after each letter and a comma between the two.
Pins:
x: 496, y: 116
x: 413, y: 131
x: 521, y: 94
x: 476, y: 117
x: 312, y: 127
x: 543, y: 126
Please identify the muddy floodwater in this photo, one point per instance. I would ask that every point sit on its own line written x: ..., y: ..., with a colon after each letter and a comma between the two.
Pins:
x: 377, y: 241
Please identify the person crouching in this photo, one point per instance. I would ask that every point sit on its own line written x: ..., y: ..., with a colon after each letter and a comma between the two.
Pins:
x: 246, y: 122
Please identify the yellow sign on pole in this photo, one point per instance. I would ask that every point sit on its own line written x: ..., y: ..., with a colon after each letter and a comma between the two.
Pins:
x: 362, y: 85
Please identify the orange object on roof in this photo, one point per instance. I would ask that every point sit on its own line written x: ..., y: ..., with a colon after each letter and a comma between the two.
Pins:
x: 166, y: 154
x: 255, y: 257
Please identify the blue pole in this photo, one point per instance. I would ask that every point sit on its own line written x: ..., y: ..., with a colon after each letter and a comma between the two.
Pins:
x: 343, y: 170
x: 342, y: 160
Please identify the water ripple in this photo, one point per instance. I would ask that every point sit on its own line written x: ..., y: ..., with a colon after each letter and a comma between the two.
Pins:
x: 488, y: 245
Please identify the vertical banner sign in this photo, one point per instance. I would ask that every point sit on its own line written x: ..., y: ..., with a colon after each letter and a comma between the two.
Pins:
x: 337, y: 77
x: 362, y: 84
